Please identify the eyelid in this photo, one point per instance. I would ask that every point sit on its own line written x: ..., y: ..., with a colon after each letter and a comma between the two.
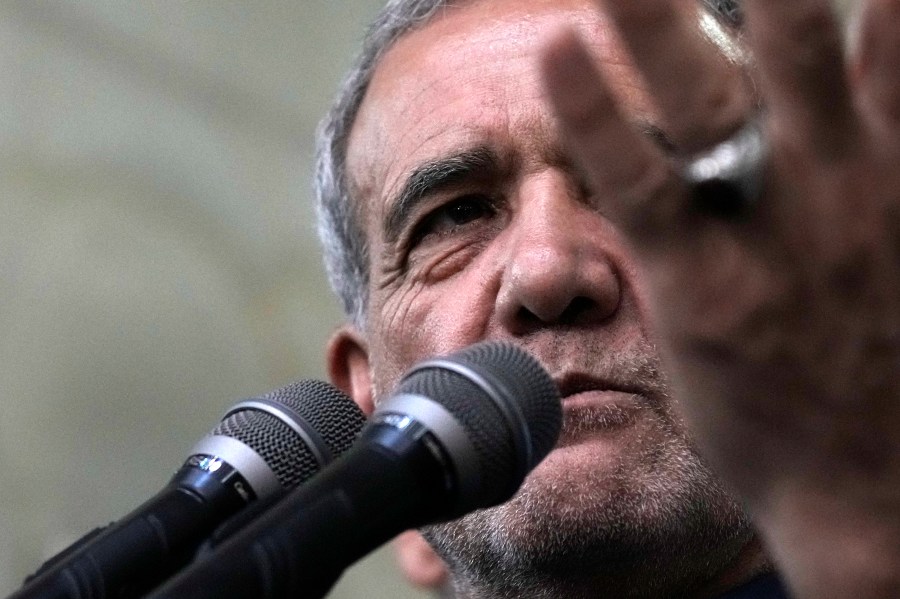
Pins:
x: 441, y: 206
x: 412, y: 237
x: 435, y: 178
x: 423, y: 209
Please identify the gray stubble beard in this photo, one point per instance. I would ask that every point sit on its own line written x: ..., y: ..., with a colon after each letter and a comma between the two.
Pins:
x: 661, y: 531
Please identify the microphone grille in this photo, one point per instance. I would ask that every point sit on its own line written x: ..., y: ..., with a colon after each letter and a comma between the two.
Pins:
x: 325, y: 409
x: 321, y: 409
x: 491, y: 387
x: 526, y: 383
x: 479, y: 417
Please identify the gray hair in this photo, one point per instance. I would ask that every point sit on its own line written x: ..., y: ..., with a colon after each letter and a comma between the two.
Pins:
x: 340, y: 229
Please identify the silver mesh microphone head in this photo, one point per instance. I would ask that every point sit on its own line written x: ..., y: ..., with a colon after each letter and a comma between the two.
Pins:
x: 505, y: 403
x: 280, y: 439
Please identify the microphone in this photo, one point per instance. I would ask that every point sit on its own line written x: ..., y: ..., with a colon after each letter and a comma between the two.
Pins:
x: 459, y: 433
x: 262, y: 447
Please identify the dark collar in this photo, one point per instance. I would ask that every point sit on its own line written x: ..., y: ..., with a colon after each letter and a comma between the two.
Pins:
x: 764, y: 586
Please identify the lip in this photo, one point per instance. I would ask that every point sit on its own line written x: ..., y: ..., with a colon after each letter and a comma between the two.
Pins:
x: 574, y: 387
x: 593, y: 405
x: 596, y: 398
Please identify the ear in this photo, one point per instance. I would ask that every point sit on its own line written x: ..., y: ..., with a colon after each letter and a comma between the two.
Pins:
x: 418, y: 561
x: 348, y: 366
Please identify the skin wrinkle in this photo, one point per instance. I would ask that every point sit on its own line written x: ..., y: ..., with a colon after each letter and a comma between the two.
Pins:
x: 346, y: 256
x: 626, y: 485
x: 431, y: 178
x: 462, y: 45
x: 457, y: 168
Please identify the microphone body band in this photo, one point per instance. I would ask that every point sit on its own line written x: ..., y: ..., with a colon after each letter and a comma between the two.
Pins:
x: 460, y: 433
x: 388, y: 481
x: 262, y: 448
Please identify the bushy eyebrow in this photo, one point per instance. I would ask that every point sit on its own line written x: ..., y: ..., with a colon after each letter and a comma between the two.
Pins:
x: 433, y: 176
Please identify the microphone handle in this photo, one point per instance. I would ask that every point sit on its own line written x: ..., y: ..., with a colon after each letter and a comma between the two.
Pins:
x: 128, y: 558
x: 388, y: 482
x: 237, y: 522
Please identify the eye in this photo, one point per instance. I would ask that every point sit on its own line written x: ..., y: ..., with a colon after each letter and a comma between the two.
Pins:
x: 453, y: 216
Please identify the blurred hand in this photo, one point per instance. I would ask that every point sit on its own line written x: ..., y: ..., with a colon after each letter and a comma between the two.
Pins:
x: 781, y: 325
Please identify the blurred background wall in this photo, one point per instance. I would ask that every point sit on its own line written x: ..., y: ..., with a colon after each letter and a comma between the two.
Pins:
x: 157, y: 254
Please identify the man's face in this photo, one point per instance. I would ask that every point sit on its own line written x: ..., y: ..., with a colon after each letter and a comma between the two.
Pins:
x: 480, y: 227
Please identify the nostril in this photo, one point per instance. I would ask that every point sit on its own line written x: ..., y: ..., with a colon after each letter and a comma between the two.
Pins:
x: 581, y: 309
x: 550, y: 278
x: 527, y: 319
x: 577, y: 308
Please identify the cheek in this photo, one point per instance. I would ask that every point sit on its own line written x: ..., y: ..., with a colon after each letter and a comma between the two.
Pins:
x: 429, y: 320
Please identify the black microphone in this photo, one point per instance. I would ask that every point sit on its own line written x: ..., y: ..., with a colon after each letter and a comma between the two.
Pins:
x: 261, y: 448
x: 459, y: 433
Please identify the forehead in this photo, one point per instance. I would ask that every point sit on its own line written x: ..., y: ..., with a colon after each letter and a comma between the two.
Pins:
x: 469, y: 78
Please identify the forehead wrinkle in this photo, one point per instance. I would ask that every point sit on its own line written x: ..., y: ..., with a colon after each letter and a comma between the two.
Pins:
x: 434, y: 175
x: 418, y: 68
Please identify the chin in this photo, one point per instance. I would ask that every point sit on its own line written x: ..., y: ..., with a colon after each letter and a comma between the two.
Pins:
x: 602, y: 451
x: 613, y: 502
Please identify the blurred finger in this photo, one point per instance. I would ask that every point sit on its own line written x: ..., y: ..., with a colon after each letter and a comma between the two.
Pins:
x: 798, y: 51
x: 627, y: 171
x: 700, y: 92
x: 879, y: 58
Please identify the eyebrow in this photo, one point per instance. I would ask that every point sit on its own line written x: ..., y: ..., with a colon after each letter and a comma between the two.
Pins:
x: 433, y: 176
x: 445, y: 172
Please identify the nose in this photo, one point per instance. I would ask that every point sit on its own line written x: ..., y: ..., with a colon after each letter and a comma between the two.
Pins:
x: 558, y: 271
